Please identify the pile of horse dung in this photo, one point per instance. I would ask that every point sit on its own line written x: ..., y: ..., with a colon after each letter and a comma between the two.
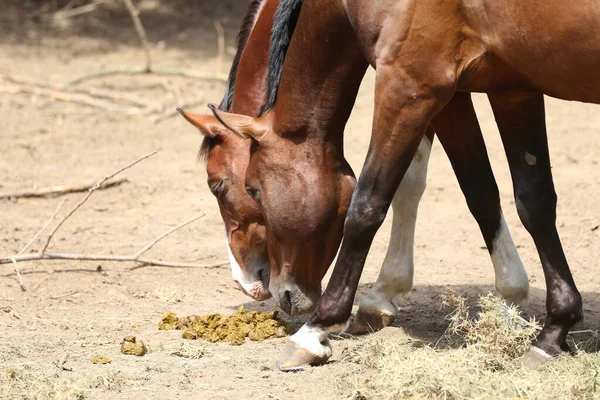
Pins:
x: 234, y: 329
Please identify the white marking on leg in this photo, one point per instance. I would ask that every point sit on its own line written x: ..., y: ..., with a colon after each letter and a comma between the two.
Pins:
x: 396, y: 275
x: 313, y: 339
x: 511, y: 279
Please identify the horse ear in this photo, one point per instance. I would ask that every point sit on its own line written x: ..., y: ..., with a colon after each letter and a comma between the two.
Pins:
x: 242, y: 125
x: 207, y: 124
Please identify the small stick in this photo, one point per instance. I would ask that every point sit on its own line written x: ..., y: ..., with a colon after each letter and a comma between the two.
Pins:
x: 93, y: 97
x: 211, y: 76
x: 36, y: 287
x: 41, y: 230
x: 73, y: 12
x: 55, y: 191
x: 101, y: 257
x: 137, y: 22
x: 64, y: 295
x: 19, y: 277
x: 92, y: 190
x: 151, y: 244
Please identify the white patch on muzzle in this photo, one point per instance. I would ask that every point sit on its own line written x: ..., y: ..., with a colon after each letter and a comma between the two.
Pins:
x: 253, y: 289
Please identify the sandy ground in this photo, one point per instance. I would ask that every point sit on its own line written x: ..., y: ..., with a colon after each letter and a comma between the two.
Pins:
x: 72, y: 310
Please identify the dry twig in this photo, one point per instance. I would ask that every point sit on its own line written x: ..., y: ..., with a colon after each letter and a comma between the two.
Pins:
x: 68, y: 12
x: 90, y: 191
x: 96, y: 98
x: 24, y: 249
x: 183, y: 73
x: 137, y: 22
x: 136, y: 257
x: 55, y: 191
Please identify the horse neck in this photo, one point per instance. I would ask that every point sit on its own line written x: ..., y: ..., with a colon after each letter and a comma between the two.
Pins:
x: 321, y: 77
x: 251, y: 78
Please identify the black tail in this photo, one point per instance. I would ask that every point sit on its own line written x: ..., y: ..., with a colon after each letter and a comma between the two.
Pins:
x: 284, y: 23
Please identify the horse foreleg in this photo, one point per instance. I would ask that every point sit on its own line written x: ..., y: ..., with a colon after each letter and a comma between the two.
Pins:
x: 460, y: 135
x: 378, y: 309
x: 404, y: 106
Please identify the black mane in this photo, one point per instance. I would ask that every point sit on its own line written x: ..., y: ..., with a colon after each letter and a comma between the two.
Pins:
x: 242, y: 39
x: 284, y: 24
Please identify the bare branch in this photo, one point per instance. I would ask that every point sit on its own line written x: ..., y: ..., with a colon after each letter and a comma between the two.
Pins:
x: 137, y: 22
x: 73, y: 12
x: 101, y: 257
x: 212, y: 76
x: 92, y: 190
x: 55, y: 191
x: 41, y: 230
x: 167, y: 233
x: 136, y: 258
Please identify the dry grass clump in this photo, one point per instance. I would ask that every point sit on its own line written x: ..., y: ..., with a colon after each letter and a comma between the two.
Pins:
x: 484, y: 365
x: 24, y: 383
x: 498, y: 331
x: 234, y: 328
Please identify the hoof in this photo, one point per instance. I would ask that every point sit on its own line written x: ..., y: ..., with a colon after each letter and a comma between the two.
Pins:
x: 368, y: 321
x: 298, y: 358
x: 535, y: 358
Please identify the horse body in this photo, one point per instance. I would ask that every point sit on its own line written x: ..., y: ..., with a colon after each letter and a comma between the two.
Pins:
x: 541, y: 41
x: 427, y: 54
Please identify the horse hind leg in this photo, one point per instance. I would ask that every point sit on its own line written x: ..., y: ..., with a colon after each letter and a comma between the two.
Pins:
x: 378, y: 309
x: 521, y: 119
x: 459, y: 133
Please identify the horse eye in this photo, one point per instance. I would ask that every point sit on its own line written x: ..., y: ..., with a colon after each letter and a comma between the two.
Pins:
x: 217, y: 189
x: 254, y: 193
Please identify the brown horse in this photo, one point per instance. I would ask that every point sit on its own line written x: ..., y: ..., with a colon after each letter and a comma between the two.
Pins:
x: 377, y: 308
x: 428, y: 56
x: 227, y: 155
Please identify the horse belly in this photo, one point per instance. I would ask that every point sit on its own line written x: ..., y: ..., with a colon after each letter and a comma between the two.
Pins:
x: 554, y: 46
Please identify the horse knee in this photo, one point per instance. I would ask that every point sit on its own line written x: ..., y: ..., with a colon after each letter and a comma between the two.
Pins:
x: 536, y: 208
x: 365, y: 216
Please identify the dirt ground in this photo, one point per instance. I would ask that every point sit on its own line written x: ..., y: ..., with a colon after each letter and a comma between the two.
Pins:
x: 73, y: 310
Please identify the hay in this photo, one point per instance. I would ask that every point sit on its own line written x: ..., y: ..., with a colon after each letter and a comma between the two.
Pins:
x: 484, y: 365
x: 234, y: 329
x: 498, y: 331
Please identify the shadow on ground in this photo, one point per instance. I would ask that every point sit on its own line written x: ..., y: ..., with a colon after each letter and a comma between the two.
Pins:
x: 422, y: 316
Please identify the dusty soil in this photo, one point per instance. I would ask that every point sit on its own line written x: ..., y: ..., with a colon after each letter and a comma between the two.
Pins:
x: 73, y: 312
